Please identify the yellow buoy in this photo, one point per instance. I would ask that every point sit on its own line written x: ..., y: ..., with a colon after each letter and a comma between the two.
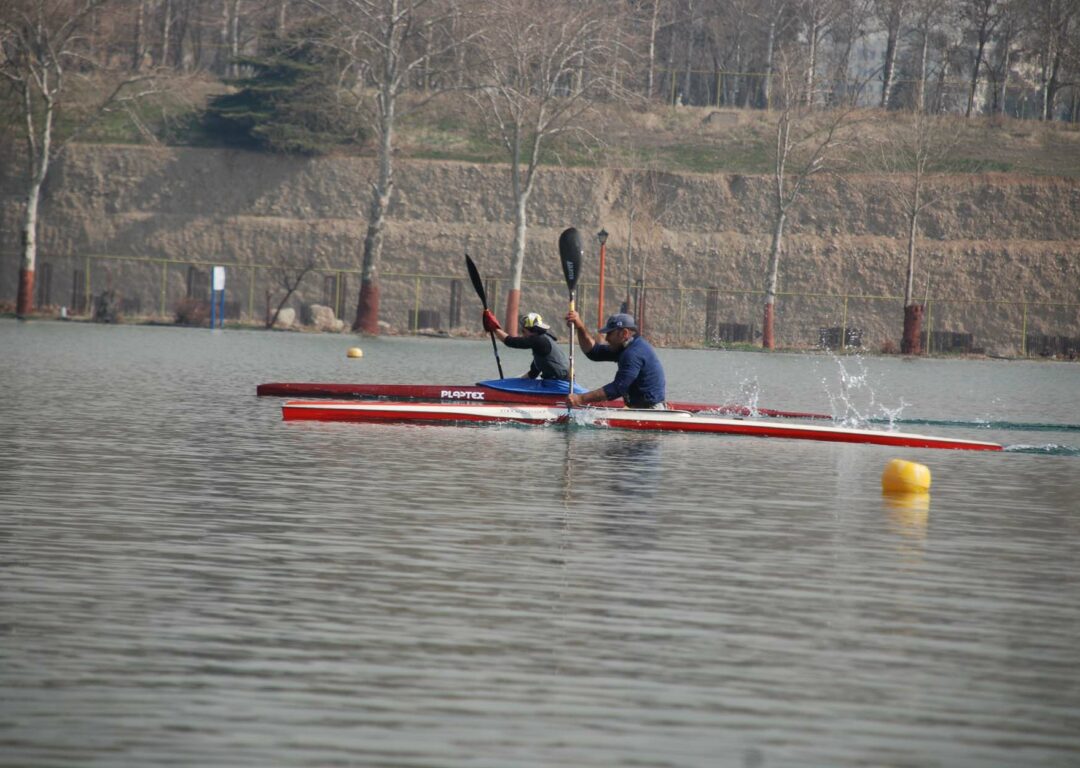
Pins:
x: 355, y: 352
x: 905, y: 477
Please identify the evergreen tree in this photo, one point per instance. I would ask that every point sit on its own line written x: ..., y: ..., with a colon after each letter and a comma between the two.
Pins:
x: 290, y: 102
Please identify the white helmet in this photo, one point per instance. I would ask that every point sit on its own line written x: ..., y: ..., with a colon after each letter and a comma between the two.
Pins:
x: 533, y: 321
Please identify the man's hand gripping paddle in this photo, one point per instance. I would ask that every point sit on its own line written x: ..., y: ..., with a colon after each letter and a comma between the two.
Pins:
x: 478, y: 284
x: 571, y: 248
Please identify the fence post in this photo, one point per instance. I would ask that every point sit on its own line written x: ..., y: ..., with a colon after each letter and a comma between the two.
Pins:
x: 929, y: 326
x: 164, y: 278
x: 681, y: 314
x: 89, y: 304
x: 416, y: 307
x: 251, y: 293
x: 843, y: 325
x: 1023, y: 332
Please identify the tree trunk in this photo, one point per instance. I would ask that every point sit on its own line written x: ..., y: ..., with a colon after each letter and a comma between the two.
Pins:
x: 367, y: 305
x: 138, y: 45
x: 689, y: 55
x: 367, y: 308
x: 768, y: 338
x: 39, y: 168
x: 24, y: 303
x: 911, y: 344
x: 166, y: 33
x: 890, y: 58
x: 1051, y: 87
x: 234, y: 37
x: 975, y: 76
x: 770, y: 48
x: 517, y: 260
x: 1004, y: 91
x: 222, y: 54
x: 513, y: 309
x: 653, y: 24
x: 913, y: 224
x: 920, y: 85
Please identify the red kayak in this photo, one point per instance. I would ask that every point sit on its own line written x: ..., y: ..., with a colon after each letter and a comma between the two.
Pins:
x: 481, y: 393
x: 614, y: 418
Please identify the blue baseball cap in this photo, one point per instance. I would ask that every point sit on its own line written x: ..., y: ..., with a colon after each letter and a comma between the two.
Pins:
x: 620, y: 320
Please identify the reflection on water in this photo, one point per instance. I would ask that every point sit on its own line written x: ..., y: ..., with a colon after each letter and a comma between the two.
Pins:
x: 628, y: 511
x: 188, y: 580
x: 909, y: 513
x: 908, y: 516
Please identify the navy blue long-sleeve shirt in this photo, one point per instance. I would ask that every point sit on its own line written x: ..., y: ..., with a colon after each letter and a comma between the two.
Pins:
x: 640, y: 378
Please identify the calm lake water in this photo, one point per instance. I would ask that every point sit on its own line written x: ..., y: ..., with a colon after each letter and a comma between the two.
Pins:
x: 188, y: 580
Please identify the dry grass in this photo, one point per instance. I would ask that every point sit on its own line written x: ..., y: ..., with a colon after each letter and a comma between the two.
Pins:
x: 682, y: 139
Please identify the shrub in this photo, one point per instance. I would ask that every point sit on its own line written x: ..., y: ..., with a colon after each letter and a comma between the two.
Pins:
x: 192, y: 312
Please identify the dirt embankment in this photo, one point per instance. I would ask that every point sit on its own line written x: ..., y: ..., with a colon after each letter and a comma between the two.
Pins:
x: 990, y: 238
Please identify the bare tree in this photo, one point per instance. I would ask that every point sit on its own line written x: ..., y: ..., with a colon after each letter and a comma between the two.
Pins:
x: 648, y: 203
x: 1001, y: 57
x: 817, y: 18
x: 385, y: 40
x: 542, y: 61
x: 654, y: 6
x: 907, y: 158
x: 849, y: 28
x: 1055, y: 26
x: 981, y: 18
x: 776, y: 17
x: 43, y: 48
x: 805, y: 144
x: 287, y: 274
x: 928, y: 16
x: 727, y: 30
x: 891, y: 15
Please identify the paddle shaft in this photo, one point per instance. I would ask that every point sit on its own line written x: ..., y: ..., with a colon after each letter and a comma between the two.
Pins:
x: 573, y: 331
x: 570, y: 250
x: 478, y: 286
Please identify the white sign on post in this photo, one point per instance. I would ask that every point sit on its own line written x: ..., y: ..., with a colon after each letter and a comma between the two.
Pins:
x: 219, y: 278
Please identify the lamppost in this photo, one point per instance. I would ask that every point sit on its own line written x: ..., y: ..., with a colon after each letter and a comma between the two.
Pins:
x: 602, y: 237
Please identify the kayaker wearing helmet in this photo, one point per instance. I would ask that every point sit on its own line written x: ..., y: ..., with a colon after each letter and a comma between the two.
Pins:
x: 640, y: 378
x: 549, y: 360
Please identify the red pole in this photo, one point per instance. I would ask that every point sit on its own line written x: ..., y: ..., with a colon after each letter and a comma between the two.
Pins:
x: 600, y: 302
x: 602, y: 235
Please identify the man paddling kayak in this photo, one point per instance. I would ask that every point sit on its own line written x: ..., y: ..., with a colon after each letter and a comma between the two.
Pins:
x: 640, y: 378
x: 549, y: 361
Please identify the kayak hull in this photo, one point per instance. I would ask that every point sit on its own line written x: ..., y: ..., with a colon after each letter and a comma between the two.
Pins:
x: 614, y: 418
x: 482, y: 394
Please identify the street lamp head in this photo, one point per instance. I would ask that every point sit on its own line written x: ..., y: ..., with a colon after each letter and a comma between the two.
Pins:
x: 602, y: 236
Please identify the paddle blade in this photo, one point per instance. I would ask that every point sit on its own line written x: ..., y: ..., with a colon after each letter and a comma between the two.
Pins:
x: 478, y: 284
x: 571, y: 249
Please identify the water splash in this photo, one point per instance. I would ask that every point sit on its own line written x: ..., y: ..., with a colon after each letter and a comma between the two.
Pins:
x: 751, y: 395
x: 856, y: 404
x: 1021, y: 426
x: 1049, y: 449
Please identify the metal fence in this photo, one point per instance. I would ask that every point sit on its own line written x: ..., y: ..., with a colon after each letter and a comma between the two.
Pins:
x: 152, y: 288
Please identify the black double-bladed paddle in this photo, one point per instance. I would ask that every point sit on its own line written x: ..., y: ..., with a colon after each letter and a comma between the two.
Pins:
x: 571, y: 248
x: 478, y: 284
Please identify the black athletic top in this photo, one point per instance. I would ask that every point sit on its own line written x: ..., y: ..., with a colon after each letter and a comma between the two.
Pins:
x: 549, y: 360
